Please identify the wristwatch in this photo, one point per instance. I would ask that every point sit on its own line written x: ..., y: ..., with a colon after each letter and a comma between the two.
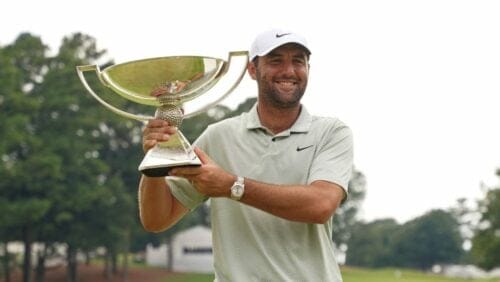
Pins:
x: 238, y: 188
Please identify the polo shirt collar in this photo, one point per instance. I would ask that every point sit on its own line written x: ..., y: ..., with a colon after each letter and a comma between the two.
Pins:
x: 301, y: 125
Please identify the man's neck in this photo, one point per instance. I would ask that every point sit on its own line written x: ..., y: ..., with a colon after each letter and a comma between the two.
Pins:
x: 277, y: 120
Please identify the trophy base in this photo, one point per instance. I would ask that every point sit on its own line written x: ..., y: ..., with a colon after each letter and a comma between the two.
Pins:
x: 156, y: 164
x: 162, y: 169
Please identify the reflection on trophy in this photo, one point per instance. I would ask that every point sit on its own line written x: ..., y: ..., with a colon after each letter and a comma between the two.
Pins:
x: 167, y: 83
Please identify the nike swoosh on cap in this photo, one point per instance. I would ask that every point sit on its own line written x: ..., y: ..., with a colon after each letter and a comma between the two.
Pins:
x: 278, y: 35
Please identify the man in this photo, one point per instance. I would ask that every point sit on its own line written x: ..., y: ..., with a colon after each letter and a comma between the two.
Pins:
x: 274, y: 175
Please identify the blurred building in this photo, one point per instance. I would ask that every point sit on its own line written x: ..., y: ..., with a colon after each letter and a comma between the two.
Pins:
x: 191, y: 251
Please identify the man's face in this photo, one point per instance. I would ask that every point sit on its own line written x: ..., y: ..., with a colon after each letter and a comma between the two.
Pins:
x: 282, y: 75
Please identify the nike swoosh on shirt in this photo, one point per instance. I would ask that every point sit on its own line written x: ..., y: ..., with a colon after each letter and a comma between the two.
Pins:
x: 303, y: 148
x: 281, y: 35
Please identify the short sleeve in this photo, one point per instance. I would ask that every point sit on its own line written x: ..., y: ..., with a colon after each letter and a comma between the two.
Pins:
x: 185, y: 192
x: 334, y: 159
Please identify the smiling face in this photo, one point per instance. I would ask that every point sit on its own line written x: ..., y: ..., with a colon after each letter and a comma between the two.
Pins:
x: 281, y: 75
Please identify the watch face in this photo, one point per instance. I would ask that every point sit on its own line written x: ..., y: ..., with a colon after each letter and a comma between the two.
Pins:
x: 237, y: 190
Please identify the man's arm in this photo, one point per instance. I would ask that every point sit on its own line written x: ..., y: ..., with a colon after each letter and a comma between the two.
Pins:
x: 314, y: 203
x: 158, y: 208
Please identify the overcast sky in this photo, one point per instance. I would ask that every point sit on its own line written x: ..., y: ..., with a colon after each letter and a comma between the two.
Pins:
x: 417, y: 81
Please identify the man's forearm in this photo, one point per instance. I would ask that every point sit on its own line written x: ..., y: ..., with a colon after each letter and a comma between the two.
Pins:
x: 314, y: 203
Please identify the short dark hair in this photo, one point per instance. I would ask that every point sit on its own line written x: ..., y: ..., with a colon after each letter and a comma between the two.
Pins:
x: 255, y: 60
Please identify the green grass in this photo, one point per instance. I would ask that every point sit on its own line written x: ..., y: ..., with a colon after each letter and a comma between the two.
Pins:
x: 190, y: 278
x: 355, y: 275
x: 396, y: 275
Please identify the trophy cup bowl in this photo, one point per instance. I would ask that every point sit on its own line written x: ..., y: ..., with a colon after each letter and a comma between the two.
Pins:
x: 168, y: 83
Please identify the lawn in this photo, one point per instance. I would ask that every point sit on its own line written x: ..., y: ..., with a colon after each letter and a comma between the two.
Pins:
x: 395, y: 275
x: 356, y: 275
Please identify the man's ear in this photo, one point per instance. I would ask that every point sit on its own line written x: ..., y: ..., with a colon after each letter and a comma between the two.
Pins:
x: 252, y: 70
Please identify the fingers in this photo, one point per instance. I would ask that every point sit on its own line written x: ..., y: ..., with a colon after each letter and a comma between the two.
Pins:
x: 156, y: 130
x: 190, y: 172
x: 159, y: 123
x: 148, y: 144
x: 208, y: 167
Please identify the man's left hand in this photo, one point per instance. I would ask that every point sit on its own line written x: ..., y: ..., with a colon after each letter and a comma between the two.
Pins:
x: 209, y: 179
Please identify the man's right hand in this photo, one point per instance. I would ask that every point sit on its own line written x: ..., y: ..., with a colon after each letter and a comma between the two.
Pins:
x: 156, y: 130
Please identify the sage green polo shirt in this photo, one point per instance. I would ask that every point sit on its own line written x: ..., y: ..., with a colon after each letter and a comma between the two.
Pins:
x: 250, y: 244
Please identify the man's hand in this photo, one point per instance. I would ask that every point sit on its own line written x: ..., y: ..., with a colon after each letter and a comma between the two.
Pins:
x: 209, y: 179
x: 156, y: 130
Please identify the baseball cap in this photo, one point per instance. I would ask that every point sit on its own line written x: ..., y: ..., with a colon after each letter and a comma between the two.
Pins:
x: 273, y: 38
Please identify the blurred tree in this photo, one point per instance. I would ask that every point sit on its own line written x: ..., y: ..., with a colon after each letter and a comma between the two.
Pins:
x: 486, y: 241
x: 22, y: 66
x: 370, y: 244
x: 433, y: 238
x: 244, y: 107
x: 9, y: 75
x: 59, y: 181
x: 468, y: 219
x: 68, y: 122
x: 345, y: 216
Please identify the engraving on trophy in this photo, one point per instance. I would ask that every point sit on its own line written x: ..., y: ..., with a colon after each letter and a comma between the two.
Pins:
x: 168, y: 83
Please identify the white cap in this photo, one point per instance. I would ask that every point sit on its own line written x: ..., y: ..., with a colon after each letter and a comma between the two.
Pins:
x: 271, y: 39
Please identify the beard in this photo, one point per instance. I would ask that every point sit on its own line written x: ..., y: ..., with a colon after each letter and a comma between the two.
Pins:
x: 271, y: 93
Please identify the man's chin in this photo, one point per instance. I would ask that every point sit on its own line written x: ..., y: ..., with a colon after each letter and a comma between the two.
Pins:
x: 286, y: 103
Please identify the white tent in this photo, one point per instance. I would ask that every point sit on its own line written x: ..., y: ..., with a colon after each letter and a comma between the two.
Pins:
x: 192, y: 251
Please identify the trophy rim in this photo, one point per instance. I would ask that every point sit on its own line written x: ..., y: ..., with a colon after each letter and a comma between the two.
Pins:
x: 176, y: 98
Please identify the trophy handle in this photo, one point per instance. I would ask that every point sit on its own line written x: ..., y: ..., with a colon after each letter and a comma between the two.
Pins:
x: 81, y: 69
x: 231, y: 88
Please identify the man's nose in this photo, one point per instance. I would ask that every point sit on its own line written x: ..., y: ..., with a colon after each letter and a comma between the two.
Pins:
x: 288, y: 68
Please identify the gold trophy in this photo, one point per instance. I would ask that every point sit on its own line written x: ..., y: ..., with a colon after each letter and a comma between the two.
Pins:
x: 167, y: 83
